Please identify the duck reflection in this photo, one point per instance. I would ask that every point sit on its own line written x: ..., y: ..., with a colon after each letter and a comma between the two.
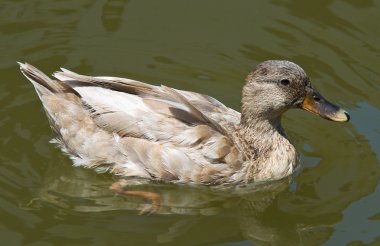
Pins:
x: 248, y: 212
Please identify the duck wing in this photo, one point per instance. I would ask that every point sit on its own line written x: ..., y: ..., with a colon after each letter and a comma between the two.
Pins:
x: 185, y: 105
x: 158, y: 113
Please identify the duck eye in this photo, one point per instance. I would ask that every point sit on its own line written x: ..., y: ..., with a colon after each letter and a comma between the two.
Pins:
x: 285, y: 82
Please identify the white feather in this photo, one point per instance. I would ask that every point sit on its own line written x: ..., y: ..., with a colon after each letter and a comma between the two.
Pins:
x: 99, y: 97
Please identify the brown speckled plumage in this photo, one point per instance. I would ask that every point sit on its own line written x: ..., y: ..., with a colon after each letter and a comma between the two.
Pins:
x: 134, y: 129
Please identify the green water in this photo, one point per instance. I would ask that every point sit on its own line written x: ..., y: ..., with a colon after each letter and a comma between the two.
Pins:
x: 208, y: 47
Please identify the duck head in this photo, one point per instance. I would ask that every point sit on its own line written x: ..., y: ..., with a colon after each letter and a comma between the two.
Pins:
x: 274, y: 86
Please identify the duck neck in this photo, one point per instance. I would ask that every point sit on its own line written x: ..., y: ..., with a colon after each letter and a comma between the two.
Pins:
x: 268, y: 153
x: 259, y: 133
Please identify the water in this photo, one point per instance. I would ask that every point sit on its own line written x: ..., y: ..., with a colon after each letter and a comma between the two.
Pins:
x: 209, y: 47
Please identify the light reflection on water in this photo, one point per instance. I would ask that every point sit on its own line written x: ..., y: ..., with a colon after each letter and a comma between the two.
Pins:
x: 209, y: 48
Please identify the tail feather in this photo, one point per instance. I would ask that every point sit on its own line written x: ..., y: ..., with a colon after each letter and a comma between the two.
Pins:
x: 42, y: 83
x: 56, y: 96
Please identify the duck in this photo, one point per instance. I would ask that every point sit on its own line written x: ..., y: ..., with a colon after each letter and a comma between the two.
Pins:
x: 137, y: 130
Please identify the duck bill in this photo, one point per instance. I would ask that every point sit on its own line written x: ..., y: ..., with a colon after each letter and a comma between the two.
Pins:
x: 318, y: 105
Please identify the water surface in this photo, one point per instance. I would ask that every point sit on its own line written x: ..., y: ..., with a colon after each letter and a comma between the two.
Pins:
x: 208, y: 47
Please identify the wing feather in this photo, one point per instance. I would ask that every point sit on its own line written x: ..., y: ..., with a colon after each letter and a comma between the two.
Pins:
x: 197, y: 123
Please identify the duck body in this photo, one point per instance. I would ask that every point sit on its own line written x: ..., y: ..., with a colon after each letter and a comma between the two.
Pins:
x: 134, y: 129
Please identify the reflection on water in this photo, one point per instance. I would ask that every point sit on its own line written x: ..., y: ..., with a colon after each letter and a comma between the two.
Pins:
x: 112, y: 14
x: 60, y: 186
x: 251, y: 207
x: 209, y: 48
x: 252, y: 211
